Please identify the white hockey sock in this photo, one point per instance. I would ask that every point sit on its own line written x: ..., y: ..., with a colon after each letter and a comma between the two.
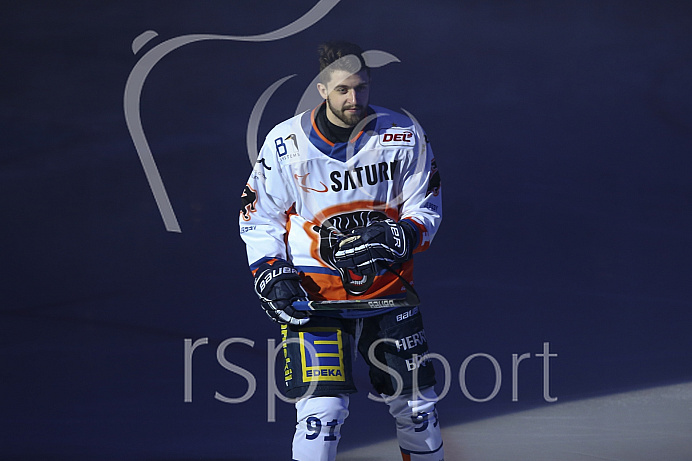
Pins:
x: 417, y: 428
x: 319, y: 427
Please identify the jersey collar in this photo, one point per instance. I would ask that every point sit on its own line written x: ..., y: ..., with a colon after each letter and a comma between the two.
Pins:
x: 337, y: 151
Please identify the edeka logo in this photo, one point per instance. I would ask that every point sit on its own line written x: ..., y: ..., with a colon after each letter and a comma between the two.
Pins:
x: 328, y: 345
x: 140, y: 71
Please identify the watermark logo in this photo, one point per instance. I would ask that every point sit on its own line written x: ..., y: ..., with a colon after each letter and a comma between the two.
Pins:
x: 309, y: 99
x: 413, y: 365
x: 140, y: 71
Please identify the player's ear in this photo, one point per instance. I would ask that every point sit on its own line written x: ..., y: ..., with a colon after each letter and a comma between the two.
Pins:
x: 322, y: 89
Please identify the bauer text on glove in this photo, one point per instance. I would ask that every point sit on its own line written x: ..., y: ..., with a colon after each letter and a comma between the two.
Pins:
x: 278, y: 286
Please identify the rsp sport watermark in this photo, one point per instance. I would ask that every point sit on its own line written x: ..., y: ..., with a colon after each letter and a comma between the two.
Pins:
x: 413, y: 365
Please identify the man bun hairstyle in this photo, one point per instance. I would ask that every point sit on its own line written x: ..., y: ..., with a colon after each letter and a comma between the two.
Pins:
x: 340, y: 55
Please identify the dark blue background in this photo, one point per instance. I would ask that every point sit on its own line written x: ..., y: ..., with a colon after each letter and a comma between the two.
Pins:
x: 563, y: 132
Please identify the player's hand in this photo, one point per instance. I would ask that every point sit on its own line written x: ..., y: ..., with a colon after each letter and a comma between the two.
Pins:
x: 278, y: 286
x: 367, y: 250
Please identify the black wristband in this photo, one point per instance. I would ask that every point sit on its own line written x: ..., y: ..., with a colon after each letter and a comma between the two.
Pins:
x: 411, y: 235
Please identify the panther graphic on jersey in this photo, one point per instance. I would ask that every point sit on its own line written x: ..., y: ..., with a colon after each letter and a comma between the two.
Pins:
x: 330, y: 234
x: 248, y: 199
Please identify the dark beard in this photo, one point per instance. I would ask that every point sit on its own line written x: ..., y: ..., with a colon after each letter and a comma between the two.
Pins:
x: 349, y: 120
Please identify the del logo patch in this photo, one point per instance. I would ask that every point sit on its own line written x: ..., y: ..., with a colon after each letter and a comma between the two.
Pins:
x: 397, y: 137
x: 328, y: 363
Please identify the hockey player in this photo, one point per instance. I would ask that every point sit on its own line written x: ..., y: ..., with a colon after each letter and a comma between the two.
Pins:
x: 340, y: 199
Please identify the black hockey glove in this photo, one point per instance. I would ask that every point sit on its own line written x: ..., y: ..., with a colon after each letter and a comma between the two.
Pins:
x: 278, y: 286
x: 368, y: 249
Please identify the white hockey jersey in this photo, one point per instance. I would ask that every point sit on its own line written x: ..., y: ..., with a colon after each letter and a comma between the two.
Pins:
x: 305, y: 191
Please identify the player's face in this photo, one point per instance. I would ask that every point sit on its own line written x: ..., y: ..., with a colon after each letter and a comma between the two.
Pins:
x: 347, y: 97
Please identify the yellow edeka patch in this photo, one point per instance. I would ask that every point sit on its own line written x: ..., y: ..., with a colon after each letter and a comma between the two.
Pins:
x: 329, y: 355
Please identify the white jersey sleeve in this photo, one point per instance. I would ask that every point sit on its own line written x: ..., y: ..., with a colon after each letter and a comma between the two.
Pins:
x: 265, y: 206
x: 422, y: 196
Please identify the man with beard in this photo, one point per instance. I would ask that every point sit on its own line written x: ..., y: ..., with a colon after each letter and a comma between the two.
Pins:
x: 340, y: 199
